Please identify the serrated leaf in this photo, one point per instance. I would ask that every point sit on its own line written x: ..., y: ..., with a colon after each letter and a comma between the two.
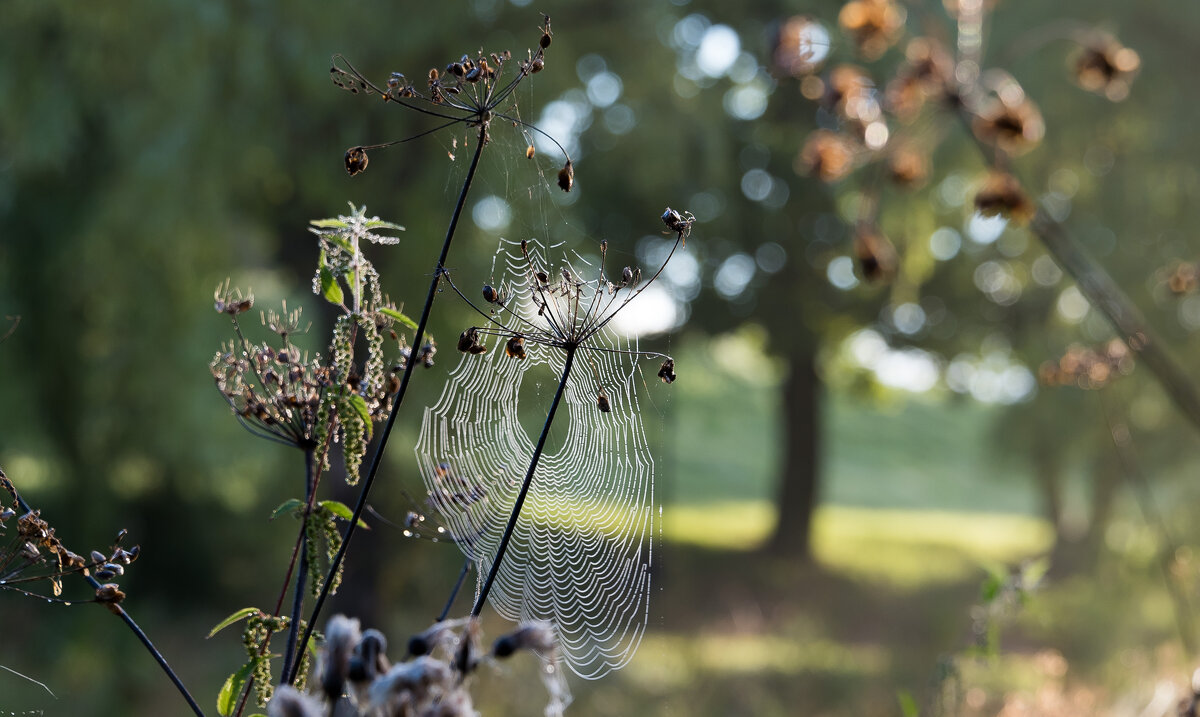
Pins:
x: 394, y: 314
x: 359, y: 404
x: 286, y: 506
x: 380, y: 224
x: 227, y: 697
x: 342, y: 511
x: 329, y: 223
x: 329, y: 286
x: 235, y: 617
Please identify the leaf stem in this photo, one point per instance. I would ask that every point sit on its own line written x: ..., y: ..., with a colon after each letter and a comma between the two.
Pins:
x: 376, y: 459
x: 516, y: 509
x: 310, y: 484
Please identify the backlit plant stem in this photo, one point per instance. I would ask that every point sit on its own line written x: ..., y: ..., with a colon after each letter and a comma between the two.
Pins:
x: 516, y: 510
x: 310, y: 484
x: 377, y: 458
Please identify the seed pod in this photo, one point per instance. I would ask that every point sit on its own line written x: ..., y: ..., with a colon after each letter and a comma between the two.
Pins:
x: 603, y: 404
x: 537, y: 65
x: 467, y: 340
x: 529, y: 152
x: 667, y: 372
x: 545, y: 41
x: 356, y: 160
x: 490, y: 295
x: 515, y: 348
x: 566, y: 177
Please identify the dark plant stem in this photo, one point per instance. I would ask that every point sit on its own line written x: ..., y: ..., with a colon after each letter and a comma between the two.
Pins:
x: 462, y: 575
x: 310, y: 484
x: 1123, y: 443
x: 142, y: 637
x: 377, y: 458
x: 516, y: 510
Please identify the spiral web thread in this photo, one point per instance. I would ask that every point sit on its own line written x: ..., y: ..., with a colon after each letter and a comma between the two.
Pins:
x: 581, y: 551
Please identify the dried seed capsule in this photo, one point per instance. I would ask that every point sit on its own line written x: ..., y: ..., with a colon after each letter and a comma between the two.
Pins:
x: 467, y: 340
x: 667, y: 372
x: 356, y: 160
x: 566, y: 177
x: 603, y: 404
x: 515, y: 348
x: 537, y: 65
x: 490, y: 295
x: 545, y: 41
x: 529, y: 152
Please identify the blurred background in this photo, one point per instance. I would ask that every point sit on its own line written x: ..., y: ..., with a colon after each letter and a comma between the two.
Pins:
x: 855, y: 473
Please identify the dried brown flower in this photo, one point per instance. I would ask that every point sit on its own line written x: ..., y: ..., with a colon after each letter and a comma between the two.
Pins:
x: 908, y: 166
x: 876, y: 256
x: 827, y: 155
x: 1088, y: 368
x: 1014, y: 126
x: 1106, y: 67
x: 1001, y: 194
x: 873, y: 25
x: 800, y: 46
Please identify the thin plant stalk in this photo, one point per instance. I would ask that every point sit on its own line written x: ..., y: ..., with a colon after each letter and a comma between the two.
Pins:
x: 137, y: 630
x: 516, y: 509
x: 310, y: 484
x: 377, y: 458
x: 462, y: 576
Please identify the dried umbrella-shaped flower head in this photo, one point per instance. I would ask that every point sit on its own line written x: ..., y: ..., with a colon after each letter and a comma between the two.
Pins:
x: 827, y: 155
x: 873, y: 25
x: 801, y: 45
x: 908, y: 166
x: 472, y: 90
x: 1001, y: 195
x: 1182, y: 277
x: 1106, y: 67
x: 1010, y: 122
x: 926, y: 74
x: 1089, y: 368
x: 875, y: 254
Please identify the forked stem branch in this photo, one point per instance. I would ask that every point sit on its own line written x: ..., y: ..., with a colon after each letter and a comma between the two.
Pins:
x: 516, y: 509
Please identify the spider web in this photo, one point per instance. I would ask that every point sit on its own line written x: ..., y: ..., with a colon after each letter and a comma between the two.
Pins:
x: 580, y: 553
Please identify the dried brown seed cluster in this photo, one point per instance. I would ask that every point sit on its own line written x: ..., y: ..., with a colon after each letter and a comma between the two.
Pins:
x: 1001, y: 195
x: 1106, y: 67
x: 1089, y: 367
x: 1011, y: 123
x: 873, y: 25
x: 875, y: 254
x: 1182, y: 277
x: 826, y: 155
x: 796, y: 52
x: 926, y: 74
x: 680, y: 223
x: 908, y: 166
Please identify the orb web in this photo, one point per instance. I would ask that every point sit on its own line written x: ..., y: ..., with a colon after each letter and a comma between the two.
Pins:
x: 580, y: 554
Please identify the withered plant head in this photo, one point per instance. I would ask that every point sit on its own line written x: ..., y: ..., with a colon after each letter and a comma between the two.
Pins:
x: 827, y: 155
x: 1106, y: 67
x: 800, y: 46
x: 1089, y: 368
x: 873, y: 25
x: 561, y: 308
x: 1001, y: 195
x: 1181, y: 277
x: 473, y: 90
x: 278, y: 393
x: 33, y: 559
x: 927, y: 73
x: 876, y: 257
x: 1010, y: 121
x: 908, y: 166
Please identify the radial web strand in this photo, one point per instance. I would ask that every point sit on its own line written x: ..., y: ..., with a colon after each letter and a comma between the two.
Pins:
x: 581, y: 550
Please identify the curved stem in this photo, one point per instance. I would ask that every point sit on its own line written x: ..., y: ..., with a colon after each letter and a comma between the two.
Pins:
x: 310, y: 484
x: 377, y: 458
x: 462, y: 575
x: 516, y: 510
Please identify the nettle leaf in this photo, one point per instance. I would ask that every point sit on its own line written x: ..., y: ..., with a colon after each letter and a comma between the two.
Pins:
x: 396, y: 315
x: 286, y: 506
x: 235, y: 617
x: 380, y: 224
x: 359, y: 404
x: 227, y: 697
x: 342, y: 511
x: 329, y: 224
x: 329, y: 286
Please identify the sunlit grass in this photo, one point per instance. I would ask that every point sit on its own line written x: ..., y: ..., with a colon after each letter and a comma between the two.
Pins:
x: 904, y: 548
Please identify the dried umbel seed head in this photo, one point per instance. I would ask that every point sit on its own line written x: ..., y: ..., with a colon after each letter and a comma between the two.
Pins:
x: 1106, y: 67
x: 667, y: 371
x: 1001, y: 195
x: 356, y: 160
x: 1183, y: 278
x: 493, y: 295
x: 1089, y: 368
x: 538, y: 636
x: 875, y: 254
x: 873, y: 25
x: 515, y: 348
x: 849, y: 87
x: 1014, y: 127
x: 469, y: 343
x: 603, y: 403
x: 566, y: 177
x: 908, y: 166
x: 230, y: 301
x: 800, y: 46
x: 109, y: 593
x: 826, y: 155
x: 928, y: 72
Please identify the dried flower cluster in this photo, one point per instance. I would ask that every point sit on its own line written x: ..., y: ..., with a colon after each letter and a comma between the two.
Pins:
x: 32, y: 556
x: 1106, y: 67
x: 1089, y: 368
x: 1181, y: 277
x: 355, y: 675
x: 472, y: 90
x: 1000, y: 194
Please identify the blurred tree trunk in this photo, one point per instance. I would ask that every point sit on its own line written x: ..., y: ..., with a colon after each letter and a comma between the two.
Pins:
x: 797, y: 493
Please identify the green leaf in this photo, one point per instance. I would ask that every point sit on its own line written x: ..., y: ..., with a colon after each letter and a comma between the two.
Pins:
x: 227, y: 697
x: 392, y: 313
x: 330, y: 224
x: 235, y: 617
x: 342, y: 511
x: 286, y: 507
x: 329, y: 286
x: 359, y: 404
x: 380, y: 224
x: 908, y: 706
